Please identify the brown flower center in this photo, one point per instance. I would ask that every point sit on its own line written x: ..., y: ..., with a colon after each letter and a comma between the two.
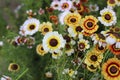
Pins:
x: 81, y: 45
x: 46, y: 30
x: 89, y: 24
x: 107, y: 17
x: 53, y: 42
x: 56, y: 5
x: 93, y: 58
x: 67, y: 38
x: 112, y: 1
x: 78, y: 29
x: 65, y: 5
x: 101, y: 36
x: 73, y: 20
x: 14, y: 67
x: 101, y: 48
x: 32, y: 27
x: 113, y: 70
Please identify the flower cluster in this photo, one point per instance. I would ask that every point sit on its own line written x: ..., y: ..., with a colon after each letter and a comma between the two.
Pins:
x: 76, y: 35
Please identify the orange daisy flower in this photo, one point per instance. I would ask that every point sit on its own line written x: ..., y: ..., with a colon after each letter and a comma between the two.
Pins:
x: 111, y: 69
x: 114, y: 50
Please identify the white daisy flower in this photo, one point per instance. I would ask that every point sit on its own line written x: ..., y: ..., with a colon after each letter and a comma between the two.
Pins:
x: 108, y: 17
x: 1, y: 43
x: 94, y: 7
x: 62, y: 16
x: 65, y: 5
x: 53, y: 42
x: 4, y: 77
x: 55, y: 4
x: 29, y: 27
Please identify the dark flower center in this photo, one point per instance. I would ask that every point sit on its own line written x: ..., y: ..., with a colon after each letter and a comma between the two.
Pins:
x: 32, y: 27
x: 107, y: 17
x: 112, y: 1
x: 14, y: 67
x: 93, y: 58
x: 78, y: 28
x: 101, y: 36
x: 81, y: 45
x: 56, y: 5
x: 101, y: 48
x: 67, y: 38
x: 73, y: 20
x: 67, y: 46
x: 92, y: 67
x: 89, y: 24
x: 53, y: 42
x: 42, y: 48
x: 65, y: 5
x: 46, y: 30
x: 113, y: 70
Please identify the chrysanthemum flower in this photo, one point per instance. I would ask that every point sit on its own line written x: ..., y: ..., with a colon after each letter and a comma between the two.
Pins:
x: 29, y: 27
x: 111, y: 69
x: 99, y: 39
x: 100, y: 49
x: 65, y: 5
x: 89, y: 24
x: 53, y: 42
x: 94, y: 7
x: 75, y: 31
x: 83, y: 45
x: 13, y: 67
x: 93, y: 58
x: 91, y: 68
x: 68, y: 49
x: 62, y: 16
x: 40, y: 50
x: 111, y: 39
x: 114, y: 50
x: 111, y: 3
x: 72, y: 19
x: 108, y: 17
x: 56, y: 55
x: 55, y: 4
x: 45, y: 27
x: 20, y: 40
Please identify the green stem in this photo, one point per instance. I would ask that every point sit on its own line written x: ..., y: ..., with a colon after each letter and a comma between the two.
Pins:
x: 22, y: 74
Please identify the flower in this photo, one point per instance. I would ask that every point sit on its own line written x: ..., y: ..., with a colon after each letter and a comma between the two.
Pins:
x: 68, y: 49
x: 1, y: 43
x: 111, y: 3
x: 40, y: 50
x: 75, y: 31
x: 114, y: 50
x: 94, y: 7
x: 100, y: 49
x: 111, y: 69
x: 62, y: 16
x: 99, y: 39
x: 65, y: 5
x: 5, y: 78
x: 83, y: 45
x: 54, y: 19
x: 45, y: 27
x: 29, y: 27
x: 108, y: 17
x: 72, y: 19
x: 91, y: 68
x: 41, y: 11
x: 56, y: 55
x: 48, y: 75
x: 53, y: 42
x: 89, y: 24
x: 55, y: 5
x: 93, y: 58
x: 13, y: 67
x: 118, y: 2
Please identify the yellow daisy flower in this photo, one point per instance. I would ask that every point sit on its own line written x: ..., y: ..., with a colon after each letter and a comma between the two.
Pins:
x: 111, y: 3
x: 45, y: 27
x: 111, y: 69
x: 89, y: 24
x: 13, y: 67
x: 91, y: 68
x: 93, y: 58
x: 40, y: 50
x: 72, y: 19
